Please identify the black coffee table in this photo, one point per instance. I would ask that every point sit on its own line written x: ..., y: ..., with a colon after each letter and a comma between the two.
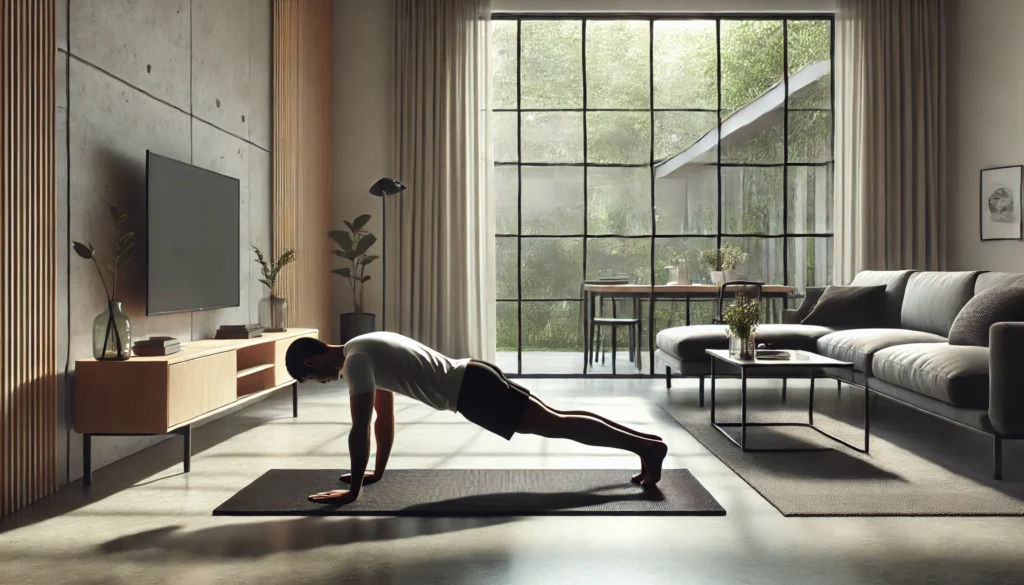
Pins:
x: 798, y: 359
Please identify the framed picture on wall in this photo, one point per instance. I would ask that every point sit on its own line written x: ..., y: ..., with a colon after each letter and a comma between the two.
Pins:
x: 1001, y: 203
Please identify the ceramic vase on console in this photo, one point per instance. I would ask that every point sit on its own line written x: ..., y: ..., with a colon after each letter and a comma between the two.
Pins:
x: 112, y: 334
x: 273, y: 313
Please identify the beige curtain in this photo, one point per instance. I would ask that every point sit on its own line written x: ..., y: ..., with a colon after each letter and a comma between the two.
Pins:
x: 890, y: 192
x: 441, y: 281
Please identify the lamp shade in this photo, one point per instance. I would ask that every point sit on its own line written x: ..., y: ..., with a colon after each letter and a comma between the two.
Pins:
x: 386, y: 186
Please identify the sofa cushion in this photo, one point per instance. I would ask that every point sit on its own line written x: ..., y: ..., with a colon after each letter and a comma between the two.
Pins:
x: 858, y: 345
x: 689, y: 342
x: 895, y: 282
x: 987, y: 280
x: 990, y: 306
x: 845, y: 307
x: 954, y: 374
x: 934, y: 299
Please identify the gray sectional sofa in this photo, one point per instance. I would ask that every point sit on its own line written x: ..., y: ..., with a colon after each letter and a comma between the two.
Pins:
x: 908, y: 360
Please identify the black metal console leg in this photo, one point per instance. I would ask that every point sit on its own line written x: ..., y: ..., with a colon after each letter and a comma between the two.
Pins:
x: 295, y: 399
x: 668, y: 377
x: 86, y: 460
x: 784, y: 390
x: 700, y: 397
x: 839, y: 387
x: 997, y: 457
x: 186, y: 433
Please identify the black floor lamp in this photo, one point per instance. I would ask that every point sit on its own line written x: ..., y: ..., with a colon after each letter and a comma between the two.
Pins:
x: 382, y: 189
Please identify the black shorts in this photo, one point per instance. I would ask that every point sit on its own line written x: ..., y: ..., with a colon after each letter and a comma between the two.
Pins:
x: 489, y: 400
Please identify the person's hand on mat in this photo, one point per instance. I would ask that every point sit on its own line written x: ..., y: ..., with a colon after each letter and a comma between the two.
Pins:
x: 336, y: 497
x: 368, y: 477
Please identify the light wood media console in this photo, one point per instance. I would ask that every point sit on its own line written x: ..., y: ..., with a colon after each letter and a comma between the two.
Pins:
x: 168, y: 394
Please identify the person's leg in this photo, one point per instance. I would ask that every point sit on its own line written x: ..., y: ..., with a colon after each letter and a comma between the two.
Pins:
x: 606, y: 421
x: 540, y: 420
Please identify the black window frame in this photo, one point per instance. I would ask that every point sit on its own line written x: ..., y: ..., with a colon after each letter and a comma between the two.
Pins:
x: 786, y: 236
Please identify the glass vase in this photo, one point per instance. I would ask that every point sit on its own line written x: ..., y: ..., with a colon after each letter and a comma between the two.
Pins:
x: 273, y: 314
x: 743, y: 348
x: 112, y: 334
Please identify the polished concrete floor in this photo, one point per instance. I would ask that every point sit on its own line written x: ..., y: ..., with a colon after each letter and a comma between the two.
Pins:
x: 146, y: 522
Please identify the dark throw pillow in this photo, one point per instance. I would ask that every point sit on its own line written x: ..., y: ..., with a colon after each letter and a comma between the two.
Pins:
x: 1001, y: 303
x: 848, y: 307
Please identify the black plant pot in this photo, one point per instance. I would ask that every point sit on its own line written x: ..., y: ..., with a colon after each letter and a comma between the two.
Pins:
x: 356, y: 324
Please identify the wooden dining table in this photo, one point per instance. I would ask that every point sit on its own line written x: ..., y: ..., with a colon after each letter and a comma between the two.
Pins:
x: 636, y: 293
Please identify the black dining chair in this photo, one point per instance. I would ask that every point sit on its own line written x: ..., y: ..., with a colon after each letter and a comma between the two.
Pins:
x: 599, y: 321
x: 748, y: 288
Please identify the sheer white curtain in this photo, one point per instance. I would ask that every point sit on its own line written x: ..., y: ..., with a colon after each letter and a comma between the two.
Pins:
x: 890, y: 187
x: 443, y: 274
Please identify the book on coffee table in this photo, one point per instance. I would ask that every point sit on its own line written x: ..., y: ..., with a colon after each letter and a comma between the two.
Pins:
x: 773, y: 354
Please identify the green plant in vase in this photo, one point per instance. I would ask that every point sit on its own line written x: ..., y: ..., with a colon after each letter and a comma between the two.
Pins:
x: 723, y: 262
x: 273, y: 310
x: 742, y: 317
x: 111, y: 331
x: 353, y: 246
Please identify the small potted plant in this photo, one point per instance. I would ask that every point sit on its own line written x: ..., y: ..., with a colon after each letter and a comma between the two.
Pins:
x: 742, y: 318
x: 273, y: 310
x: 708, y: 257
x: 353, y: 246
x: 731, y: 258
x: 111, y: 330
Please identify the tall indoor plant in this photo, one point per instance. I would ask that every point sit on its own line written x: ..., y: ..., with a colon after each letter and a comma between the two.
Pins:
x: 353, y: 245
x: 273, y: 310
x: 111, y: 330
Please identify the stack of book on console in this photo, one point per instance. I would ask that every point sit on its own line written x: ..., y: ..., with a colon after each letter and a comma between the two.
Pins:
x: 155, y: 346
x: 239, y: 331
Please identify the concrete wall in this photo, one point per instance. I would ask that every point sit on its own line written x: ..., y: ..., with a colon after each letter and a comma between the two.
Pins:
x: 188, y: 79
x: 985, y: 122
x: 363, y: 53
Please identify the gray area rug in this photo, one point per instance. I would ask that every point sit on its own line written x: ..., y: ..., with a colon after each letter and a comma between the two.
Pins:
x: 477, y: 492
x: 917, y: 465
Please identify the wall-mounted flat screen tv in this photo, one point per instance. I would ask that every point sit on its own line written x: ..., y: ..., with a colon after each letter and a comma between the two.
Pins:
x: 192, y: 238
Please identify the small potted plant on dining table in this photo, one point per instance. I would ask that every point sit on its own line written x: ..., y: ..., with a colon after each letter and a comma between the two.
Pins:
x: 742, y: 318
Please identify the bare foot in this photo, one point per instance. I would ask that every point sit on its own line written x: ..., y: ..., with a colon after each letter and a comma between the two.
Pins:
x: 640, y: 476
x: 652, y: 463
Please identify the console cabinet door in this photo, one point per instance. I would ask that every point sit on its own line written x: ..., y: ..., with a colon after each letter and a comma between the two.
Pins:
x: 198, y: 386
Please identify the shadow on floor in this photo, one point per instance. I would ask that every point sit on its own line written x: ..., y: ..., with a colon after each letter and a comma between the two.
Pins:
x: 259, y: 539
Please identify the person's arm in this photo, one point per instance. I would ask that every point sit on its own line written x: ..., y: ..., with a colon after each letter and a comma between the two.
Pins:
x: 384, y: 431
x: 359, y: 375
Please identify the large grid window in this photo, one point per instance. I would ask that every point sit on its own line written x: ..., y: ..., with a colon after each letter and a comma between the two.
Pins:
x: 624, y: 145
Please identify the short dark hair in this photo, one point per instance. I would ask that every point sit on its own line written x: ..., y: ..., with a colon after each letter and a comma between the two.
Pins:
x: 299, y: 351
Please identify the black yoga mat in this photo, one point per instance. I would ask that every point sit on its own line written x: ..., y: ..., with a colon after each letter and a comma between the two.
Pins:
x: 477, y: 492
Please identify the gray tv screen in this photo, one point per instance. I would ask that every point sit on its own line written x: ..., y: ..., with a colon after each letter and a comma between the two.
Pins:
x: 192, y: 238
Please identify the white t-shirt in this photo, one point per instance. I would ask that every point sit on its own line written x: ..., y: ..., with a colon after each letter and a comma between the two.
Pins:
x: 390, y: 361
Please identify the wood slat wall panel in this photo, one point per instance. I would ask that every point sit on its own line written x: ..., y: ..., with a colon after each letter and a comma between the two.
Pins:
x: 28, y: 253
x: 303, y: 139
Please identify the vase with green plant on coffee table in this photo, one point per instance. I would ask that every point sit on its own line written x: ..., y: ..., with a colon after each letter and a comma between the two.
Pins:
x: 354, y: 244
x: 742, y: 318
x: 273, y: 310
x: 111, y: 330
x: 723, y: 262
